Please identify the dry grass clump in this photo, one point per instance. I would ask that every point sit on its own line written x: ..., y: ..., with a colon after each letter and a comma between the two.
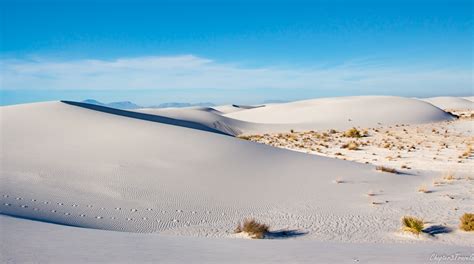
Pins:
x: 245, y: 137
x: 467, y: 153
x: 412, y: 224
x: 449, y: 176
x: 386, y: 169
x: 423, y: 189
x: 353, y: 133
x: 467, y: 222
x: 253, y: 228
x: 351, y: 146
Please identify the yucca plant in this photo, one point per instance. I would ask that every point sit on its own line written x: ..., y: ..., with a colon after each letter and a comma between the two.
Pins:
x: 253, y: 228
x: 412, y: 224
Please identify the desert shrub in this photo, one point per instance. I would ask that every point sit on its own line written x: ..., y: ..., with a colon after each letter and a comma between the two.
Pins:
x: 253, y: 228
x: 353, y: 132
x: 351, y: 146
x: 449, y: 176
x: 412, y: 224
x: 423, y: 189
x: 467, y: 222
x: 386, y: 169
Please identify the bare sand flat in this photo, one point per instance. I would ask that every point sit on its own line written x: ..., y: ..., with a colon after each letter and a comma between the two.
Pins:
x: 25, y: 241
x: 172, y: 173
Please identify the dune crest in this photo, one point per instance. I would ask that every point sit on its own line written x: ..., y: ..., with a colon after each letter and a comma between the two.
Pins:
x: 343, y: 112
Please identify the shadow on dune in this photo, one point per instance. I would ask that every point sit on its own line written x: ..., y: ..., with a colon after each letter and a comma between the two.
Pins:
x: 437, y: 229
x: 147, y: 117
x: 282, y: 234
x: 248, y: 106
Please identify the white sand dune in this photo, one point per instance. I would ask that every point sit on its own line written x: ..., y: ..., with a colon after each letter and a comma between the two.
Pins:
x: 339, y: 113
x: 470, y: 98
x: 211, y: 118
x: 75, y: 166
x: 451, y: 103
x: 118, y: 170
x: 344, y: 112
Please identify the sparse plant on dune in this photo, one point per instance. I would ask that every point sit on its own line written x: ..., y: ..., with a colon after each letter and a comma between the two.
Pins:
x: 351, y: 146
x: 245, y: 137
x: 386, y: 169
x: 423, y: 189
x: 449, y: 176
x: 353, y: 132
x: 339, y: 180
x: 252, y: 228
x: 412, y: 224
x: 467, y: 222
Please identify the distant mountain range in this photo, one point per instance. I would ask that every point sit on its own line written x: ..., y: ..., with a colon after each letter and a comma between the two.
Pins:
x: 130, y: 105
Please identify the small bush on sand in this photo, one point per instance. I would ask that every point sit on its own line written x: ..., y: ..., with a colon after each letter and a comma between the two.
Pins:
x: 467, y: 222
x: 412, y: 224
x: 353, y: 132
x: 449, y: 176
x: 423, y: 189
x: 351, y: 146
x: 253, y: 228
x: 386, y: 169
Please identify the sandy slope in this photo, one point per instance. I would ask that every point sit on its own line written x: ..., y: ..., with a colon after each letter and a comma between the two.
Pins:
x: 470, y: 98
x: 211, y: 118
x: 128, y: 171
x: 450, y: 103
x: 344, y: 112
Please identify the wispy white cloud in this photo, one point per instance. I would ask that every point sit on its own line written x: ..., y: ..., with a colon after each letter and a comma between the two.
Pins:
x: 192, y: 72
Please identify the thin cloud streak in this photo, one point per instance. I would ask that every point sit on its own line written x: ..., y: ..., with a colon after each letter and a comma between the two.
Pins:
x: 192, y: 72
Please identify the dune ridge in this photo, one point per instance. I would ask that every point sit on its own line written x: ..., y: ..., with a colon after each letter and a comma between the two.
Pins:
x: 344, y: 112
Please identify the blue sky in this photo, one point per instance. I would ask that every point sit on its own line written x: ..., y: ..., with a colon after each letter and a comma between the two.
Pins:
x: 233, y: 51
